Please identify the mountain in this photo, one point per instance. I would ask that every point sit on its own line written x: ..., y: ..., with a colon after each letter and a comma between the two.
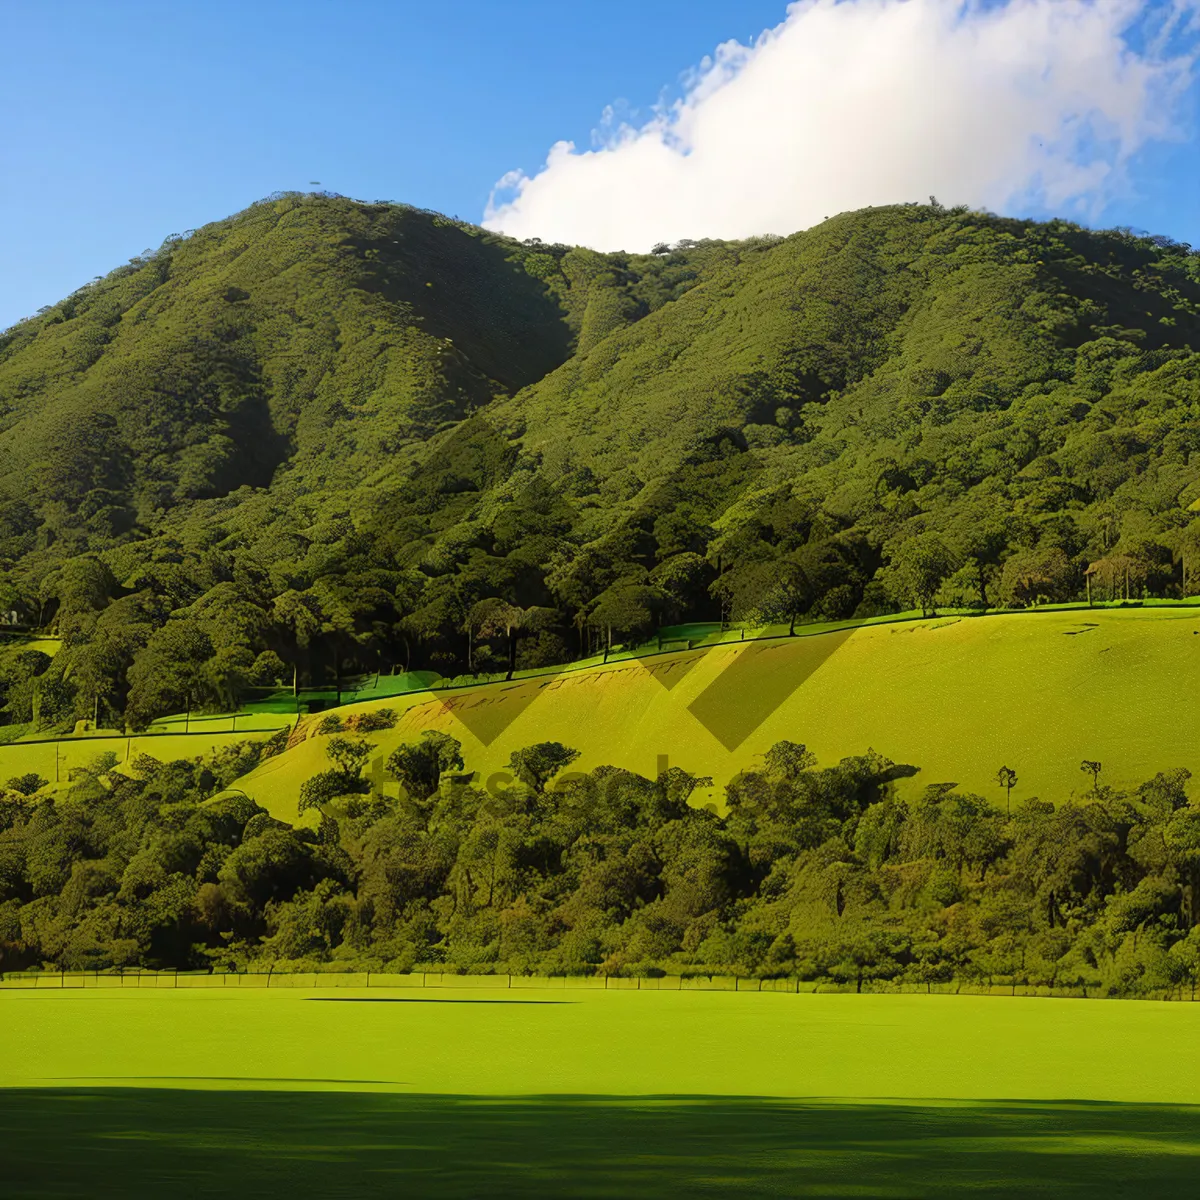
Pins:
x: 329, y: 435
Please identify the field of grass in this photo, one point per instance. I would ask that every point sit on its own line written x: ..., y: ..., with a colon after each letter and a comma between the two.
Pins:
x: 22, y: 757
x: 956, y: 697
x: 505, y: 1092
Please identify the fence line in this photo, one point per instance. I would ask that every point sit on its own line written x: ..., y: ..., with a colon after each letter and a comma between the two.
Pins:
x: 76, y: 980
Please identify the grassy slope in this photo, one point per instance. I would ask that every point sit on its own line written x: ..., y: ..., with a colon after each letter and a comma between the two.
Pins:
x: 955, y: 697
x: 18, y: 758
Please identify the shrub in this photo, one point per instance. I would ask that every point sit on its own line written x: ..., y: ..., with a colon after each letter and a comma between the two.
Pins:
x: 27, y: 784
x: 370, y: 722
x: 102, y: 763
x: 325, y: 787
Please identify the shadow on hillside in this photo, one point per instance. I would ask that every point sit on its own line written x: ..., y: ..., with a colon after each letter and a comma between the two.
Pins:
x: 133, y: 1142
x: 471, y: 290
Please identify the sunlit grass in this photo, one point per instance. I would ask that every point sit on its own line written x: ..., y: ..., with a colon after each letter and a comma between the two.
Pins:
x: 956, y: 697
x: 476, y: 1091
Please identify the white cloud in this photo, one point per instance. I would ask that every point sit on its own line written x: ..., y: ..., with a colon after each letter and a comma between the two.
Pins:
x: 1024, y: 102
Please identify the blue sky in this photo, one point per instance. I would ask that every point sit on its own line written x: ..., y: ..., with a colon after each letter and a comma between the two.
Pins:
x: 127, y: 122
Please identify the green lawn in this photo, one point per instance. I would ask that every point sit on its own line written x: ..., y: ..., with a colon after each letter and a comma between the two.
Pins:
x: 480, y: 1090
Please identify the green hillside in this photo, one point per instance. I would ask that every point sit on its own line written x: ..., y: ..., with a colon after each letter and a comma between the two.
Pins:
x: 957, y: 698
x: 324, y: 437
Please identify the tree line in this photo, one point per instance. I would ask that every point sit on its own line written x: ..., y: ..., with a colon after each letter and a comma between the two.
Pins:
x: 811, y: 872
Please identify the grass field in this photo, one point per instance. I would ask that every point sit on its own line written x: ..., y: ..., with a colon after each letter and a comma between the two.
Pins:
x: 19, y: 758
x: 489, y: 1091
x: 955, y: 697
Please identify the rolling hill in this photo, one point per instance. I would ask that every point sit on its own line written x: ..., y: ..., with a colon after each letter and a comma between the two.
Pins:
x: 323, y: 437
x: 955, y: 698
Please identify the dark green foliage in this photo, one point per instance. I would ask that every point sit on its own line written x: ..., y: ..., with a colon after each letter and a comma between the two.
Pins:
x: 373, y: 720
x: 324, y: 438
x: 420, y: 767
x: 26, y: 784
x: 813, y: 873
x: 536, y: 765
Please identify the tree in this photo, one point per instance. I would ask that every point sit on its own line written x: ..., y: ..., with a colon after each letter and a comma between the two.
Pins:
x: 789, y: 760
x: 624, y: 609
x: 1092, y: 768
x: 535, y: 765
x: 766, y: 590
x: 300, y: 613
x: 1033, y: 576
x: 676, y: 786
x: 1006, y: 777
x: 681, y: 580
x: 420, y: 767
x: 1187, y: 548
x: 920, y: 565
x: 789, y: 593
x: 982, y: 544
x: 173, y: 673
x: 268, y: 668
x: 301, y: 616
x: 325, y: 787
x: 479, y: 623
x: 493, y: 617
x: 1115, y: 572
x: 27, y: 784
x: 350, y: 754
x: 82, y: 587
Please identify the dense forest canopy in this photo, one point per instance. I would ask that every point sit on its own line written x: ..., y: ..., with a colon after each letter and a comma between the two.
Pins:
x: 813, y: 872
x: 324, y: 436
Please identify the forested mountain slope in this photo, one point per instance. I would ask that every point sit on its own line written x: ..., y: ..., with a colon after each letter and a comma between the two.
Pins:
x: 333, y: 435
